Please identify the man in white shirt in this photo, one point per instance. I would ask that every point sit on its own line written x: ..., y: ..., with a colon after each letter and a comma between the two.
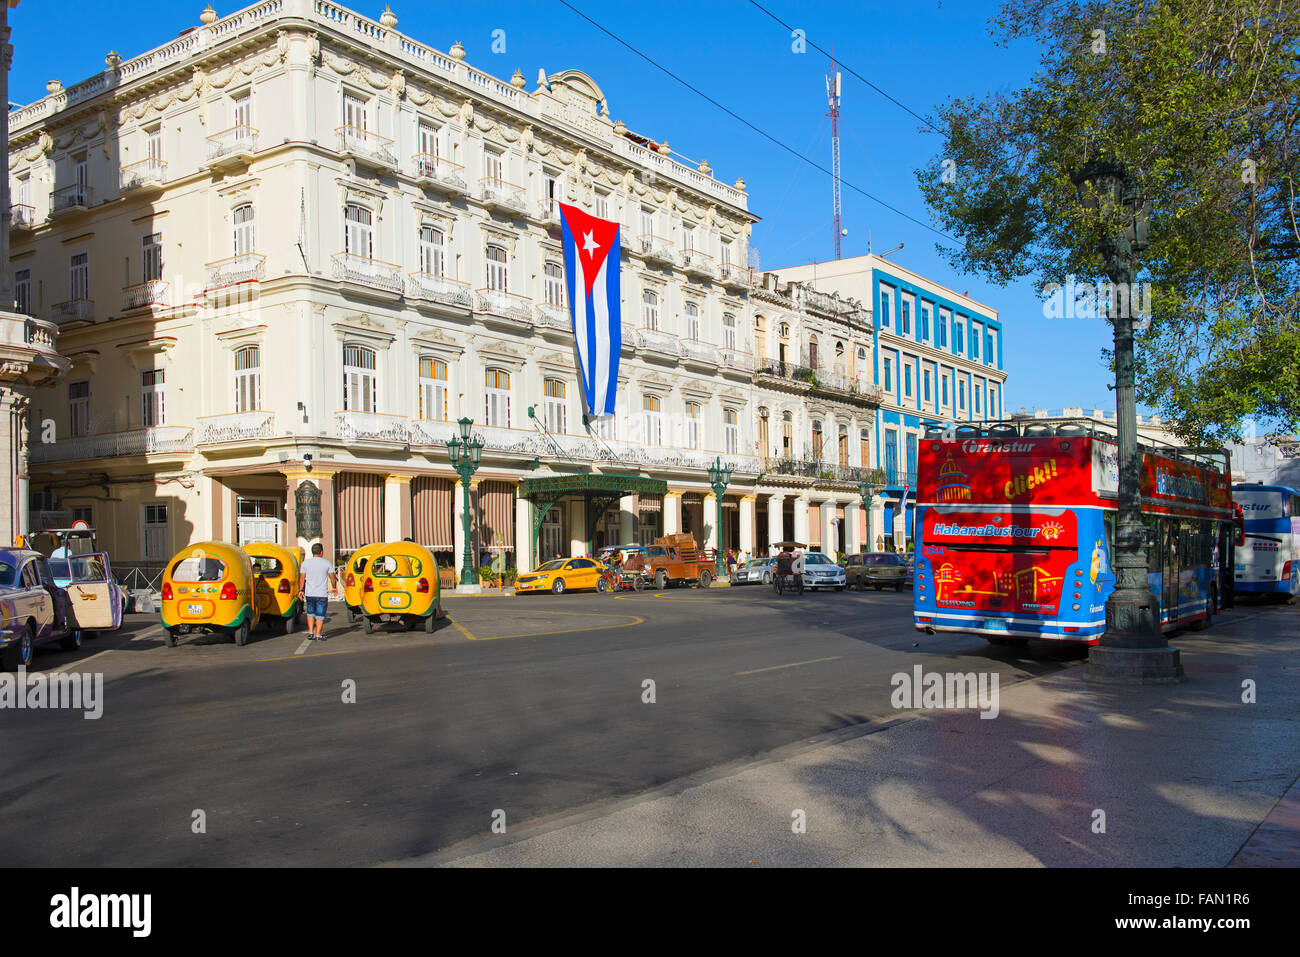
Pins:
x: 317, y: 580
x: 797, y: 567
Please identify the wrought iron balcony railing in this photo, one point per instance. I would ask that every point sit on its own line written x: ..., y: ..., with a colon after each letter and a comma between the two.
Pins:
x: 246, y: 267
x: 370, y: 427
x: 238, y: 142
x: 73, y: 310
x: 158, y: 439
x: 234, y: 427
x: 499, y: 194
x: 368, y: 272
x: 69, y: 199
x: 366, y: 146
x: 147, y: 172
x: 435, y: 171
x: 452, y: 292
x: 152, y: 292
x: 495, y: 302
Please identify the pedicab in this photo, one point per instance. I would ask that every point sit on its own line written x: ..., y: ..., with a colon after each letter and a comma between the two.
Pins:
x: 783, y: 576
x: 354, y: 570
x: 401, y: 583
x: 278, y: 571
x: 209, y: 587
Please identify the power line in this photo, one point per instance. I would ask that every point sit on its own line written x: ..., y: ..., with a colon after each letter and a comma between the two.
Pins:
x: 901, y: 105
x: 763, y: 133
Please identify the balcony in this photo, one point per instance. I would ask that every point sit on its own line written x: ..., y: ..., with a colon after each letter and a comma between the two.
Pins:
x: 450, y: 292
x: 368, y: 272
x: 146, y: 176
x: 733, y: 276
x: 369, y: 149
x: 154, y: 292
x: 699, y: 353
x: 654, y: 341
x: 738, y: 360
x: 232, y: 148
x: 22, y: 216
x: 235, y: 427
x: 233, y: 270
x: 73, y: 310
x: 148, y: 441
x: 548, y: 212
x: 494, y: 302
x: 500, y: 195
x: 70, y: 200
x: 553, y: 317
x: 655, y: 249
x: 434, y: 172
x: 370, y: 427
x: 31, y: 343
x: 698, y: 264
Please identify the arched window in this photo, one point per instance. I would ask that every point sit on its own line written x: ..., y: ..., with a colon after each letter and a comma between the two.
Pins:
x: 652, y: 419
x: 431, y: 251
x: 242, y: 230
x: 728, y: 331
x: 357, y: 236
x: 554, y: 409
x: 839, y: 352
x: 692, y: 321
x: 553, y: 284
x: 862, y: 367
x: 812, y: 352
x: 360, y: 379
x: 731, y: 430
x: 693, y: 424
x: 787, y: 435
x: 433, y: 388
x: 498, y: 270
x: 497, y: 400
x: 248, y: 379
x: 760, y: 339
x: 817, y: 441
x: 783, y: 343
x: 844, y: 445
x: 650, y: 309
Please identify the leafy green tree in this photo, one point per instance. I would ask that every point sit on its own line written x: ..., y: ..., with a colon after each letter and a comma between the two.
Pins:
x: 1199, y: 101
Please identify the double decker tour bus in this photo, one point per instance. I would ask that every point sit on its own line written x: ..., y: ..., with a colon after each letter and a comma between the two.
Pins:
x: 1017, y: 527
x: 1266, y: 559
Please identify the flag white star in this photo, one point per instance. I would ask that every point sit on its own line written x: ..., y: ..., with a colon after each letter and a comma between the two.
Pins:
x: 590, y: 246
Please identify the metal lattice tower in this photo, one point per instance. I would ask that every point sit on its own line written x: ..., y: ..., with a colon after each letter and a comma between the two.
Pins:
x: 833, y: 100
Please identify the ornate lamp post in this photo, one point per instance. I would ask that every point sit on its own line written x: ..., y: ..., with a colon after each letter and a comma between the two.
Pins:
x: 719, y: 478
x: 867, y: 490
x: 1133, y: 650
x: 465, y: 453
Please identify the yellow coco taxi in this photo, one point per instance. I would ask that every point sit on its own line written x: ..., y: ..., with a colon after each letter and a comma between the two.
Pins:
x: 401, y: 583
x: 209, y: 587
x: 354, y: 577
x: 563, y: 574
x: 276, y: 571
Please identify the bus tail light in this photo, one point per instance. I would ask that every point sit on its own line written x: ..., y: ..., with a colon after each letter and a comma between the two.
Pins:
x: 369, y: 586
x: 284, y: 586
x: 167, y: 591
x: 422, y: 586
x: 1071, y: 631
x: 1078, y: 595
x: 923, y: 620
x: 228, y: 591
x: 1286, y: 570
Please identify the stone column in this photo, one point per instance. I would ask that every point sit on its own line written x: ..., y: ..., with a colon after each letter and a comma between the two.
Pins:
x: 711, y: 515
x: 801, y: 519
x: 775, y: 519
x: 627, y: 519
x: 458, y: 526
x: 397, y: 507
x: 672, y: 513
x: 329, y: 541
x: 523, y: 534
x: 830, y: 530
x: 852, y: 534
x: 747, y: 528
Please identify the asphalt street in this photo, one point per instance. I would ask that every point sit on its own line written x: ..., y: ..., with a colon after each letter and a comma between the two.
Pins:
x: 515, y: 709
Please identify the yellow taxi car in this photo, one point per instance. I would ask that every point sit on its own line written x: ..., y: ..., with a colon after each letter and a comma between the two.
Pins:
x: 277, y: 571
x: 353, y: 577
x: 563, y: 574
x: 401, y: 583
x: 209, y: 587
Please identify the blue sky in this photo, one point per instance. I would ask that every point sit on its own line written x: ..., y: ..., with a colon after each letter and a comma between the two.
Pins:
x: 921, y: 52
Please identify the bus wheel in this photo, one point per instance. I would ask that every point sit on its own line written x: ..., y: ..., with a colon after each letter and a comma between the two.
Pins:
x: 996, y: 641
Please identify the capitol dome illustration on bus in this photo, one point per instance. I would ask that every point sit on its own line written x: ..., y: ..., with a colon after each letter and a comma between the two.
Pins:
x: 954, y: 484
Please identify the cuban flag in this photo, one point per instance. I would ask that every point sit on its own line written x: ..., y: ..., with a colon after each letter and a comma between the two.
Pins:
x: 591, y: 272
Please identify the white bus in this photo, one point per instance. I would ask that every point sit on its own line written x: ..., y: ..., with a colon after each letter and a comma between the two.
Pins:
x: 1267, y: 562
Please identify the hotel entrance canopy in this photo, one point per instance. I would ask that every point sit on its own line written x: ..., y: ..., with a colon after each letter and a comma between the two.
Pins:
x: 598, y: 493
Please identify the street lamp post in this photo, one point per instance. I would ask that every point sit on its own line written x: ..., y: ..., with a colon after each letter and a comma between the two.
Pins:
x: 719, y: 478
x: 465, y: 453
x: 1133, y: 650
x: 867, y: 490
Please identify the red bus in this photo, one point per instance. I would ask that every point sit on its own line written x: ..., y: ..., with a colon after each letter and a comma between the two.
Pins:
x: 1015, y: 531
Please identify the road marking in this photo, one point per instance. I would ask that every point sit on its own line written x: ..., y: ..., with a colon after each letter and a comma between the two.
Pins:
x: 462, y: 629
x: 306, y: 643
x: 319, y: 654
x: 795, y: 664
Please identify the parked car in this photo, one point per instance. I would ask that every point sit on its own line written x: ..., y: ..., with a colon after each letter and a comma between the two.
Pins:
x: 33, y: 609
x: 877, y: 570
x: 95, y: 600
x: 563, y: 574
x: 756, y: 571
x: 277, y: 570
x: 909, y: 577
x: 209, y: 587
x: 401, y: 583
x: 820, y: 571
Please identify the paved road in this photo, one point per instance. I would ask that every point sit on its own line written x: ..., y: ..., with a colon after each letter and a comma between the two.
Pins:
x: 531, y: 706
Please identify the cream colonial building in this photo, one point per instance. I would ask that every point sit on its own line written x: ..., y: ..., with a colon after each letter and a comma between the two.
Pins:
x: 287, y: 250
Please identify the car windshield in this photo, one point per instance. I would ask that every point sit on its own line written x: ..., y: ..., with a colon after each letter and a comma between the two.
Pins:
x: 816, y: 558
x: 59, y: 568
x: 8, y: 575
x: 89, y: 568
x: 199, y: 568
x: 887, y: 558
x: 756, y: 562
x: 551, y: 566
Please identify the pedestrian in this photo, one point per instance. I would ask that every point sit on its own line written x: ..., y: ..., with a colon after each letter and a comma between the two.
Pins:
x: 731, y: 563
x: 796, y: 569
x: 317, y: 580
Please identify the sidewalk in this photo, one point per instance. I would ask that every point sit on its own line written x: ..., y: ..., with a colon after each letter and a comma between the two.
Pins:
x: 1185, y: 775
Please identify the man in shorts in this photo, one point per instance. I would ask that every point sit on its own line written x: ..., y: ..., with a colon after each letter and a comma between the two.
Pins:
x: 318, y: 579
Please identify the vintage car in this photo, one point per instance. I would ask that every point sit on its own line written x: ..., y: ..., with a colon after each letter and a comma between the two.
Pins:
x: 95, y: 600
x: 209, y: 587
x: 563, y: 574
x: 876, y: 570
x: 276, y: 569
x: 354, y: 570
x: 33, y: 609
x: 401, y: 583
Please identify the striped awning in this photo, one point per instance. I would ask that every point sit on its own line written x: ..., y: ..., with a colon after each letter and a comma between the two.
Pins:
x: 650, y: 503
x: 496, y: 507
x: 359, y: 501
x: 431, y: 512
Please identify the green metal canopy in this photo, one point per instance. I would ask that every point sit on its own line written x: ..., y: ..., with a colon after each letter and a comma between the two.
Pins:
x: 598, y: 492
